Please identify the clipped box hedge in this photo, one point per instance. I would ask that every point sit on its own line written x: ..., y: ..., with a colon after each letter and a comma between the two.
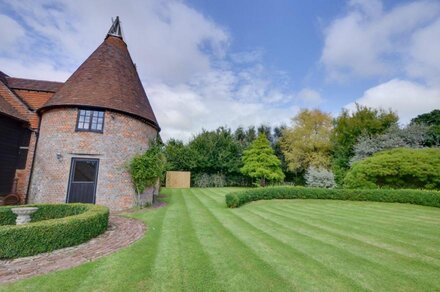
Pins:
x: 53, y: 226
x: 418, y: 197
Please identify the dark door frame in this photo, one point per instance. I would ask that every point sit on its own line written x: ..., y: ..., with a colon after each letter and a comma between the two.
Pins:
x: 72, y: 166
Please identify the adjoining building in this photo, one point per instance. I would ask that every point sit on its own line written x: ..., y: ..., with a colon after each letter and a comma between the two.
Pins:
x: 83, y: 132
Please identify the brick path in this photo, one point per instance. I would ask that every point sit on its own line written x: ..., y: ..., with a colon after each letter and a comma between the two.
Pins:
x: 121, y: 233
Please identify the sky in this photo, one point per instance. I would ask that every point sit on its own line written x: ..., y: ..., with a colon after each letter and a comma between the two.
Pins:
x: 206, y: 64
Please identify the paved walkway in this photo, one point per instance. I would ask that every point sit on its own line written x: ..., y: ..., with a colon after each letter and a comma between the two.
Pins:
x: 121, y: 233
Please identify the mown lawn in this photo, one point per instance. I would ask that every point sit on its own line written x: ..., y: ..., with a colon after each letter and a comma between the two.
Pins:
x: 197, y: 244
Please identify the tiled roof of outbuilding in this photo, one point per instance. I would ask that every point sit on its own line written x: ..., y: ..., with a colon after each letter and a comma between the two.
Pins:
x: 5, y: 107
x: 34, y: 85
x: 107, y: 79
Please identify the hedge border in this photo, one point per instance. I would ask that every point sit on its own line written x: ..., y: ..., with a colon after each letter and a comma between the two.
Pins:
x: 44, y: 212
x: 51, y: 234
x: 417, y: 197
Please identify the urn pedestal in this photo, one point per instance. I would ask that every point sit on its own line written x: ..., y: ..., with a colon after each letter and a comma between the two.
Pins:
x: 23, y: 214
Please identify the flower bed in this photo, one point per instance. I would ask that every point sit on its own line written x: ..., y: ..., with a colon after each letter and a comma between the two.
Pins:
x: 418, y: 197
x: 53, y: 226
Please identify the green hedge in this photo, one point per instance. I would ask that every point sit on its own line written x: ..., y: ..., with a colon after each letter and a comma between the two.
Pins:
x: 44, y: 212
x: 401, y: 168
x: 418, y: 197
x: 54, y: 226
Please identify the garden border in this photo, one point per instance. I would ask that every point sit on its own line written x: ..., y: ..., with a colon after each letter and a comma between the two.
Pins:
x: 82, y: 223
x: 121, y: 233
x: 417, y: 197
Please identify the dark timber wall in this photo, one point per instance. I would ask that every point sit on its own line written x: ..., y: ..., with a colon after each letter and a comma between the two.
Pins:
x: 12, y: 135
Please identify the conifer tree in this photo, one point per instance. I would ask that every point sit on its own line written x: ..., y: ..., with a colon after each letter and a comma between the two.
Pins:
x: 261, y: 163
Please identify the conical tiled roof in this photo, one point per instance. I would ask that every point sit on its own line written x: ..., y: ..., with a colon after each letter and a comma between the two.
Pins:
x: 107, y: 79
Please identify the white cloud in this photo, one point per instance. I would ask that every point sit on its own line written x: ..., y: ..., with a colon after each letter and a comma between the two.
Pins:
x: 368, y: 41
x: 192, y: 79
x: 310, y: 97
x: 407, y: 98
x: 165, y: 37
x: 10, y: 34
x: 400, y: 44
x: 33, y: 70
x: 424, y: 61
x: 247, y: 57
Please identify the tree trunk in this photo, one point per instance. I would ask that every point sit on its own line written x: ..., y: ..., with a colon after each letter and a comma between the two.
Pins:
x: 262, y: 182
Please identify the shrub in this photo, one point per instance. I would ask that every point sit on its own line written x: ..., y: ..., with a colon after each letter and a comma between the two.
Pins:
x: 397, y: 168
x: 44, y: 212
x: 412, y: 136
x: 320, y: 178
x: 218, y: 180
x: 418, y: 197
x: 146, y: 169
x: 83, y: 222
x: 202, y: 180
x: 205, y: 180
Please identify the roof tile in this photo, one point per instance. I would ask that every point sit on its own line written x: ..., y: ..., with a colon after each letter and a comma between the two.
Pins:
x: 107, y: 79
x: 31, y: 84
x: 7, y: 104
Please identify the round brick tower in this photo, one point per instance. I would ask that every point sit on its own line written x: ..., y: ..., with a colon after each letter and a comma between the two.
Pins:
x: 91, y: 128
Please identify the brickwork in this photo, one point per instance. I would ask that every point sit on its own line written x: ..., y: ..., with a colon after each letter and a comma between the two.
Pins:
x: 23, y: 175
x: 121, y: 233
x: 123, y: 137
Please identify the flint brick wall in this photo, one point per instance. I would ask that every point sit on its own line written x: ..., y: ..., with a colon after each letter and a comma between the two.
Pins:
x: 123, y: 138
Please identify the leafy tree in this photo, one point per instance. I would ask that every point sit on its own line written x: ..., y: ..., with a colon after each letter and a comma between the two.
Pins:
x: 412, y: 136
x: 348, y: 127
x: 307, y: 142
x: 397, y: 168
x: 260, y: 162
x: 266, y: 130
x: 216, y: 152
x: 245, y: 136
x: 432, y: 119
x: 179, y: 156
x: 320, y: 178
x: 251, y: 135
x: 240, y: 136
x: 147, y: 168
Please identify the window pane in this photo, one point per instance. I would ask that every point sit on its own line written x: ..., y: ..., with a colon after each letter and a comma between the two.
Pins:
x: 90, y: 120
x: 85, y: 171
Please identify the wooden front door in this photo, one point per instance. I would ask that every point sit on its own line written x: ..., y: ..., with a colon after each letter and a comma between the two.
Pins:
x: 83, y: 179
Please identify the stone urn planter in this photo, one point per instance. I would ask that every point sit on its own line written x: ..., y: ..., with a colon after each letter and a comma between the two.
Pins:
x: 23, y: 214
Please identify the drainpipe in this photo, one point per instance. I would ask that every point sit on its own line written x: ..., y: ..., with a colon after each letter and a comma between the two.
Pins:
x: 33, y: 160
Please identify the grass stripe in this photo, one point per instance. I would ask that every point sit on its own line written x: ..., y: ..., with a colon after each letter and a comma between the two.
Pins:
x: 383, y: 226
x: 364, y: 234
x: 344, y: 209
x: 334, y: 249
x: 196, y: 243
x: 238, y: 257
x: 182, y: 263
x: 374, y: 250
x: 310, y: 267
